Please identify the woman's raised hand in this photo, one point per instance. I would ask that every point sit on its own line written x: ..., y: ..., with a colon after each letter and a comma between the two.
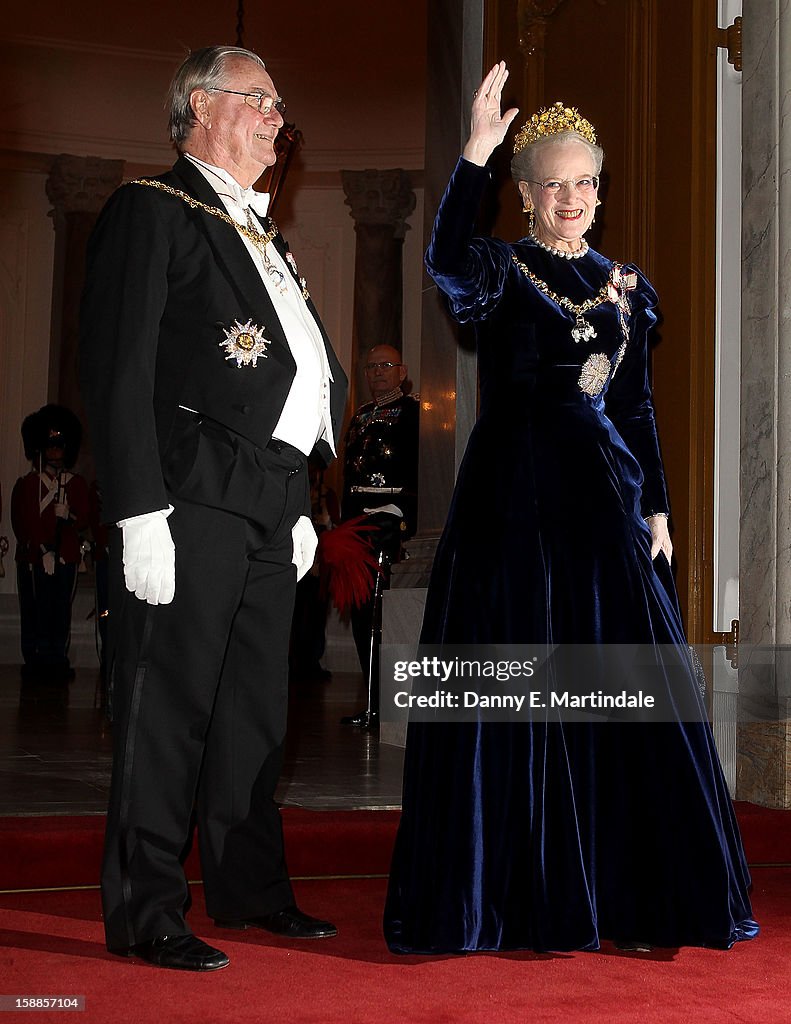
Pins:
x: 488, y: 125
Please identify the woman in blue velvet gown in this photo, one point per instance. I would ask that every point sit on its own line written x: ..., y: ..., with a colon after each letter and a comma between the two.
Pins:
x: 556, y: 835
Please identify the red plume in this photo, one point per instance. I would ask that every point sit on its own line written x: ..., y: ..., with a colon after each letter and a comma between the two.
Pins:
x: 347, y: 563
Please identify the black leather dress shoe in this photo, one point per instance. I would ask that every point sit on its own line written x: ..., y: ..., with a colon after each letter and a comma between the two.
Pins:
x: 290, y: 922
x: 181, y: 952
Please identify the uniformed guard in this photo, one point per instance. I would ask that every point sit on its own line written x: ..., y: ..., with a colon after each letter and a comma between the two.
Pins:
x: 380, y: 481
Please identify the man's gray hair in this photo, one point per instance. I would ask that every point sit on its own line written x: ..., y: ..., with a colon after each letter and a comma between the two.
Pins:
x: 524, y: 162
x: 203, y: 69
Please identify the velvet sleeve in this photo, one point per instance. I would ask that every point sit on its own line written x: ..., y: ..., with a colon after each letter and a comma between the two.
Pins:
x: 629, y: 402
x: 470, y: 271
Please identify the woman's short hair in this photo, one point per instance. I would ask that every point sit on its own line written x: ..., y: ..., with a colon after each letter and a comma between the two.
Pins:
x: 523, y: 163
x: 203, y: 69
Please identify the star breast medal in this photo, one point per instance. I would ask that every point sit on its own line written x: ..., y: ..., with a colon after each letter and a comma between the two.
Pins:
x: 245, y: 343
x: 594, y: 373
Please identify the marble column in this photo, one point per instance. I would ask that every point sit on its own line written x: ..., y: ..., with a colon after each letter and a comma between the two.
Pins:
x: 448, y: 367
x: 380, y: 203
x: 78, y: 188
x: 764, y: 746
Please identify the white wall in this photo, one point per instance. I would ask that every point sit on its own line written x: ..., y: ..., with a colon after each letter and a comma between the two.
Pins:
x: 26, y: 248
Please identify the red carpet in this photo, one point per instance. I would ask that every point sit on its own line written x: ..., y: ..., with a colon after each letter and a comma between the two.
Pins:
x: 67, y: 850
x: 63, y: 850
x: 54, y: 945
x: 51, y: 943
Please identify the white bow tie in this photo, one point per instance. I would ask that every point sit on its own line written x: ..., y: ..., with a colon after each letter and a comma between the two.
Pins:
x: 258, y: 202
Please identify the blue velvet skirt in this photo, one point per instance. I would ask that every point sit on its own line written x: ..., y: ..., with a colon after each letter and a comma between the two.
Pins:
x: 557, y: 835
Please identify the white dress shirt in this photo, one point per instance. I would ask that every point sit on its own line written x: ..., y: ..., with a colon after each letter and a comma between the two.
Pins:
x: 306, y: 414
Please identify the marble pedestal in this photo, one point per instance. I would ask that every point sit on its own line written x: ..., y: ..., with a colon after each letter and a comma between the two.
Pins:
x: 763, y: 774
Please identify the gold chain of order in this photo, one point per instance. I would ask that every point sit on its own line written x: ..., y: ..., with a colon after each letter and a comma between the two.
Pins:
x: 258, y: 238
x: 562, y: 300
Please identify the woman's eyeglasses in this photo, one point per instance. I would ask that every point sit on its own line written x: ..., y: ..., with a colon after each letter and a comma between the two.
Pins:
x: 588, y: 183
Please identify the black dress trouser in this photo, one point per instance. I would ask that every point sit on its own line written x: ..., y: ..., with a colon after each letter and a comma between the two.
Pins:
x: 199, y: 704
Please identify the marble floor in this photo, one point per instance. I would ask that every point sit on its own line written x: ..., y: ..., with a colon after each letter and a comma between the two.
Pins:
x: 55, y: 749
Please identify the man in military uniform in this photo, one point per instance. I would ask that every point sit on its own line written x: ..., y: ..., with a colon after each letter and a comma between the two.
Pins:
x: 49, y: 507
x: 380, y: 480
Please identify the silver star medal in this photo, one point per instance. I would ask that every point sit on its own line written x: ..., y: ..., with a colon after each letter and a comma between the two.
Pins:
x: 594, y: 373
x: 245, y: 343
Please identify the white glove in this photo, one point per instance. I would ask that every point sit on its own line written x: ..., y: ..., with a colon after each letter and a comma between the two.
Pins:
x: 48, y: 563
x: 149, y: 557
x: 61, y: 510
x: 305, y: 544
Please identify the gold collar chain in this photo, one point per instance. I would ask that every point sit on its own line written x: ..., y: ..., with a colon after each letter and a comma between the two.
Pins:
x: 562, y: 300
x: 259, y: 239
x: 582, y: 330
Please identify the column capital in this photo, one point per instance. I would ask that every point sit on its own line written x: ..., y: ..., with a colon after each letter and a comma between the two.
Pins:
x: 82, y: 184
x: 380, y: 197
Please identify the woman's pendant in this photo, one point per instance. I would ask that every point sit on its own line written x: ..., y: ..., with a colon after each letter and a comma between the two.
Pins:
x: 582, y: 331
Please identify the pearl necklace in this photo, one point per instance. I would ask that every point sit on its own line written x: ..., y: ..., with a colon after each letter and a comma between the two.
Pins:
x: 563, y: 253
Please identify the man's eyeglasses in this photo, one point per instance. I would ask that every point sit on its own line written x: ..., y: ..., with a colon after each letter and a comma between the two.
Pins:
x: 588, y: 183
x: 371, y: 367
x: 261, y: 101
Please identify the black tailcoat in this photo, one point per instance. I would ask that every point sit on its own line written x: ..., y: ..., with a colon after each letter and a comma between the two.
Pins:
x: 164, y: 282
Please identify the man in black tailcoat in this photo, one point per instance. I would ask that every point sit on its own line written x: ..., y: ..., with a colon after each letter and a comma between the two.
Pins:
x: 208, y: 380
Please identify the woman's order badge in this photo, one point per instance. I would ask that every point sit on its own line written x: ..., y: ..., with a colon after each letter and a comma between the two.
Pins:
x: 594, y: 373
x: 245, y: 343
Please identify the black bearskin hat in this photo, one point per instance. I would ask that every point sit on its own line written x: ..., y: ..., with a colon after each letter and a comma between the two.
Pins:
x: 52, y: 421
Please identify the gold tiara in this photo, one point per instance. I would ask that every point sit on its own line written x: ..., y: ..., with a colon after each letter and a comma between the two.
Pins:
x: 551, y: 121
